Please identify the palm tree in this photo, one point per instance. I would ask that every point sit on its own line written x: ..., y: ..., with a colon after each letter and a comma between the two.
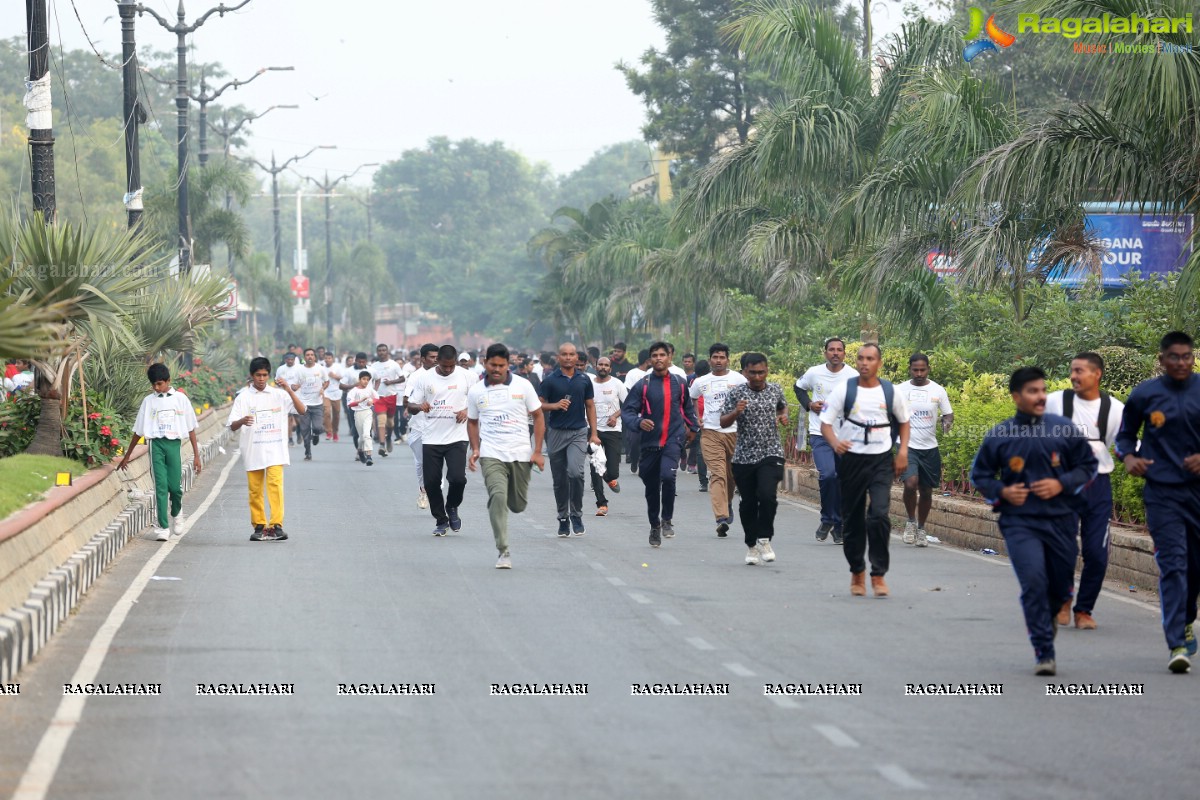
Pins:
x: 26, y: 329
x: 211, y: 222
x: 1139, y: 143
x: 258, y: 282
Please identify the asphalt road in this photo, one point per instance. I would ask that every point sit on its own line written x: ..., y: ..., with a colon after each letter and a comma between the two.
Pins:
x: 362, y: 593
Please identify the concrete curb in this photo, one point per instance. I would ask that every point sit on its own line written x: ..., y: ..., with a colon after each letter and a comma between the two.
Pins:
x: 971, y: 525
x: 26, y: 628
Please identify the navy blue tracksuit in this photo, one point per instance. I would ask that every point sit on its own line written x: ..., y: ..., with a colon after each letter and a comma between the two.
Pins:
x: 665, y: 401
x: 1167, y: 415
x: 1040, y: 534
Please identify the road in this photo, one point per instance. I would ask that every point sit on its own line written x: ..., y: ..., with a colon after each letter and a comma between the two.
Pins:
x: 362, y: 593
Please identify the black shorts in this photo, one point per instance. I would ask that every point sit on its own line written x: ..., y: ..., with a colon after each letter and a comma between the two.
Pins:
x: 926, y: 465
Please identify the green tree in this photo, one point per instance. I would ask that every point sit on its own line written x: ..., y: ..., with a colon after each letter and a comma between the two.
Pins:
x: 608, y: 173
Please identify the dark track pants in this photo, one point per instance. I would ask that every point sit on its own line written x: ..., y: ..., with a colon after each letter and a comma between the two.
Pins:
x: 1173, y: 517
x: 454, y: 457
x: 866, y: 527
x: 758, y: 487
x: 1094, y: 541
x: 657, y: 468
x: 1043, y: 553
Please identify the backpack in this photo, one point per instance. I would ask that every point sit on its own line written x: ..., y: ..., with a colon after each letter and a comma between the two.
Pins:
x: 889, y: 396
x: 1101, y: 423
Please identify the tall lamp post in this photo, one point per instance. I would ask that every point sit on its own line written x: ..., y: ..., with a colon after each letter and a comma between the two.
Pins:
x: 327, y: 186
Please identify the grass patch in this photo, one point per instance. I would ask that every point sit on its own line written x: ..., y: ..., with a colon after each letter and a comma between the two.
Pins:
x: 24, y: 479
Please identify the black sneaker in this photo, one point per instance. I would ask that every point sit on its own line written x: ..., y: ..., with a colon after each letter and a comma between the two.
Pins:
x: 383, y: 452
x: 577, y: 525
x: 257, y: 536
x: 668, y: 530
x: 655, y: 536
x: 277, y: 534
x: 722, y: 528
x: 316, y: 439
x: 823, y: 531
x: 1045, y: 666
x: 308, y: 456
x: 564, y: 528
x: 704, y: 487
x: 455, y: 522
x: 440, y: 529
x: 369, y: 462
x: 837, y: 534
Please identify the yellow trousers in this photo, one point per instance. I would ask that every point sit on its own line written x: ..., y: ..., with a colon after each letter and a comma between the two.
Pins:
x: 273, y: 478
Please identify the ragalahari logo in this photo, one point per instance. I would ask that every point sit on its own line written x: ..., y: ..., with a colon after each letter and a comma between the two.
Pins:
x: 993, y: 35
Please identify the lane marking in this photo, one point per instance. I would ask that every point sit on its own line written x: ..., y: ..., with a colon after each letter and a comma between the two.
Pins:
x: 784, y: 702
x: 900, y: 776
x: 596, y: 565
x: 615, y: 581
x: 639, y: 598
x: 667, y: 619
x: 43, y: 766
x: 739, y: 670
x: 837, y: 736
x: 699, y: 644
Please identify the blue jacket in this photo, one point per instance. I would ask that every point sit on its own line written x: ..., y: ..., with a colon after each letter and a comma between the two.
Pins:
x: 1167, y: 414
x: 665, y: 401
x: 1025, y: 449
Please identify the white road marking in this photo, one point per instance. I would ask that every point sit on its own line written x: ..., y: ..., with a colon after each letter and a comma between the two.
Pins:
x: 784, y: 702
x: 596, y: 565
x: 39, y: 775
x: 739, y: 670
x: 836, y: 735
x: 615, y: 581
x: 639, y: 598
x: 667, y: 619
x: 899, y: 776
x: 699, y: 644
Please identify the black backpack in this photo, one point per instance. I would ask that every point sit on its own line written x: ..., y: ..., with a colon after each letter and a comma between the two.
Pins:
x: 889, y: 396
x: 1101, y: 423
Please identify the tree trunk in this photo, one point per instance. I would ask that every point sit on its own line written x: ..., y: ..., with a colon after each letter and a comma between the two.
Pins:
x: 47, y: 437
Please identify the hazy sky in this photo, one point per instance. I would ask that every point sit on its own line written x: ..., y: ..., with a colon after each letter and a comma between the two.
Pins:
x: 535, y: 74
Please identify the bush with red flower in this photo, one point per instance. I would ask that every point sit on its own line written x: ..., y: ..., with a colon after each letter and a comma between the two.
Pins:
x: 106, y: 433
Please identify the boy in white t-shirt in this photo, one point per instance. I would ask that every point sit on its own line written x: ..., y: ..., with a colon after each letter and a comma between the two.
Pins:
x: 164, y: 419
x: 261, y: 413
x: 332, y: 397
x: 361, y: 400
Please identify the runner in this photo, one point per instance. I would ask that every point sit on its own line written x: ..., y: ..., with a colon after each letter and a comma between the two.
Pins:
x: 633, y: 437
x: 417, y: 422
x: 1166, y: 410
x: 290, y: 371
x: 361, y: 399
x: 388, y: 377
x: 813, y: 388
x: 348, y: 381
x: 620, y: 367
x: 926, y: 402
x: 1098, y: 414
x: 313, y: 382
x: 1043, y: 462
x: 441, y: 395
x: 755, y: 409
x: 608, y: 393
x: 261, y: 413
x: 864, y: 415
x: 567, y: 400
x: 658, y: 406
x: 718, y: 442
x: 497, y: 408
x: 332, y: 400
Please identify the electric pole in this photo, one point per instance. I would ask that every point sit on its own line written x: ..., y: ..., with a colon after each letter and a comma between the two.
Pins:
x: 181, y: 29
x: 327, y: 186
x: 134, y: 114
x: 274, y: 171
x: 40, y: 116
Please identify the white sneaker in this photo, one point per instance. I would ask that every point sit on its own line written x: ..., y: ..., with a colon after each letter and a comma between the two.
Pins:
x: 177, y: 523
x: 504, y: 562
x: 752, y: 556
x: 922, y: 538
x: 910, y: 533
x: 422, y: 500
x: 764, y: 547
x: 162, y: 534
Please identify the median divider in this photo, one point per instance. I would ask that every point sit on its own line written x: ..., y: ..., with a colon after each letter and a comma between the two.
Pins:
x: 53, y: 550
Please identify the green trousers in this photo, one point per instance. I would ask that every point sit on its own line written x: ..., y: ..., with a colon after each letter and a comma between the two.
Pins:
x: 507, y: 484
x: 167, y: 471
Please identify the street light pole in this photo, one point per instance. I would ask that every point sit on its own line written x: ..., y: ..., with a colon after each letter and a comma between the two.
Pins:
x: 40, y: 117
x: 181, y: 29
x: 134, y: 115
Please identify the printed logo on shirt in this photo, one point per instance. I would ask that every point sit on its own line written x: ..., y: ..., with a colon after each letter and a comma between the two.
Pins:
x: 1055, y: 461
x: 1158, y: 419
x: 1016, y: 464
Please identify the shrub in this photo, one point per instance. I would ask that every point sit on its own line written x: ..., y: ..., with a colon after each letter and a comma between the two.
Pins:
x: 18, y: 418
x: 1125, y: 368
x: 103, y: 437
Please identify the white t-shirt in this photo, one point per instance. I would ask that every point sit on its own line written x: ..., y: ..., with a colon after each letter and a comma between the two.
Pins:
x: 350, y: 375
x: 387, y: 371
x: 292, y: 373
x: 169, y: 417
x: 633, y: 376
x: 538, y: 369
x: 1086, y: 415
x: 416, y: 422
x: 869, y: 408
x: 362, y: 399
x: 503, y: 412
x: 264, y: 444
x: 446, y: 395
x: 608, y: 397
x: 677, y: 371
x: 714, y: 389
x: 311, y: 380
x: 925, y: 404
x: 819, y: 382
x: 334, y: 373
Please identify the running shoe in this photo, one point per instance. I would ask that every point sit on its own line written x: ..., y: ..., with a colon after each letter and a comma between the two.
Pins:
x: 602, y: 511
x: 455, y: 522
x: 1045, y: 666
x: 616, y: 487
x: 922, y: 538
x: 316, y: 439
x: 655, y: 536
x: 258, y: 533
x: 162, y: 534
x: 752, y: 555
x: 369, y: 462
x: 177, y: 523
x: 910, y: 533
x: 722, y: 528
x: 277, y: 534
x: 823, y: 531
x: 668, y: 529
x: 441, y: 528
x: 564, y: 528
x: 837, y: 534
x: 577, y: 525
x: 1189, y: 639
x: 504, y: 561
x: 764, y: 547
x: 1179, y: 661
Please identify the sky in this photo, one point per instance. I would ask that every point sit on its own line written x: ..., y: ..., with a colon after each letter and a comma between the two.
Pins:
x: 378, y: 77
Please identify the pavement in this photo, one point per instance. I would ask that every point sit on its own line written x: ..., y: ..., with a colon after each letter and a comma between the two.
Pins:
x: 363, y: 594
